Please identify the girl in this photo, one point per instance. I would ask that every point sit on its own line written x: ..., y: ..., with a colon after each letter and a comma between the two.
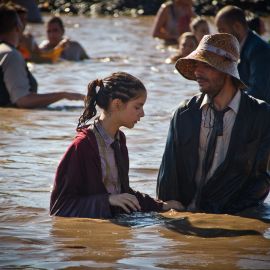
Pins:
x: 92, y: 178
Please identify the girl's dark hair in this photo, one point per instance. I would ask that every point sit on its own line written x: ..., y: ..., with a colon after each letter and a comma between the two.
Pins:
x: 119, y: 85
x: 58, y: 21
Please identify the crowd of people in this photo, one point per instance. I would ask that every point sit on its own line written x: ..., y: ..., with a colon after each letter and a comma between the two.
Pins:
x: 217, y: 154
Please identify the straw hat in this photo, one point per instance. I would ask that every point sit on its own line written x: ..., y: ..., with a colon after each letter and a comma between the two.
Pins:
x: 220, y: 51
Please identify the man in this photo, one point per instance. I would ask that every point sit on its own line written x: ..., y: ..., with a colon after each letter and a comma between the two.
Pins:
x: 18, y: 87
x: 254, y: 66
x: 217, y: 155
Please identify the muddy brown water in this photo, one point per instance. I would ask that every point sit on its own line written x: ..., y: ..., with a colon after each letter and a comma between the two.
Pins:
x: 33, y: 141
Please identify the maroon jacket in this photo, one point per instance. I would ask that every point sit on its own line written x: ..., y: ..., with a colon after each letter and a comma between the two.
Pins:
x: 78, y: 188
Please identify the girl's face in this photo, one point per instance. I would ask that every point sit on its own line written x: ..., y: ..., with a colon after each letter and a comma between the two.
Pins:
x: 54, y: 33
x: 132, y: 111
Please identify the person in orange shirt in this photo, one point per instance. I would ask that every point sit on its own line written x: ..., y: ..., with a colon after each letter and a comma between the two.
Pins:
x: 27, y: 44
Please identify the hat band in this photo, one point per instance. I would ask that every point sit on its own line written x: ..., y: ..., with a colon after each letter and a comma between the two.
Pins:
x: 218, y: 51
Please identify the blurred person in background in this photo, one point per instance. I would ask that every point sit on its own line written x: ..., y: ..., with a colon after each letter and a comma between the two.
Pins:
x: 71, y: 50
x: 187, y: 44
x: 18, y: 86
x: 254, y: 64
x: 172, y: 20
x: 256, y: 24
x: 199, y: 27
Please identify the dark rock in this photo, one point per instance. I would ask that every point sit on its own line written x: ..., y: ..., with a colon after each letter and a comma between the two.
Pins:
x: 145, y: 7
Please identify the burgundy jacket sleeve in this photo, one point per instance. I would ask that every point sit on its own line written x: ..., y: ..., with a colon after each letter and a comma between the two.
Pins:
x: 78, y: 189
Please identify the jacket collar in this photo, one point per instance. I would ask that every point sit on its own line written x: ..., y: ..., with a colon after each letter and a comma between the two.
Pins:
x: 191, y: 117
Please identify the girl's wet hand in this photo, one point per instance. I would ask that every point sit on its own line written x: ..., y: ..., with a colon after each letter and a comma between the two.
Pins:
x: 126, y: 201
x: 176, y: 205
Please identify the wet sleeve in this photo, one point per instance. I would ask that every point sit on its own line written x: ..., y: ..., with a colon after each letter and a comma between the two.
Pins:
x: 83, y: 55
x: 258, y: 185
x: 78, y: 189
x: 15, y: 76
x: 167, y: 181
x: 147, y: 203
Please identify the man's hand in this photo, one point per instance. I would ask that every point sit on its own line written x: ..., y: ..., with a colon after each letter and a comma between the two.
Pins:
x: 126, y: 201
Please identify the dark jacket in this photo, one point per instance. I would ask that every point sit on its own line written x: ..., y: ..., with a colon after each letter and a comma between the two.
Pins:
x: 241, y: 181
x: 254, y: 66
x: 78, y: 188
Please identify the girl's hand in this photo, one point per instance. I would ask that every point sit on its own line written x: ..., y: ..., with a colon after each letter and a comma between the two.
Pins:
x: 126, y: 201
x: 176, y: 205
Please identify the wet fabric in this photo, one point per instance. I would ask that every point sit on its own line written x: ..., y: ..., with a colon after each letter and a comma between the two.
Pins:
x: 16, y: 80
x: 217, y: 130
x: 78, y: 188
x: 241, y: 181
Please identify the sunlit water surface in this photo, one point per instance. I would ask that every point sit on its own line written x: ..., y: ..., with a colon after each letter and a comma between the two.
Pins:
x: 33, y: 141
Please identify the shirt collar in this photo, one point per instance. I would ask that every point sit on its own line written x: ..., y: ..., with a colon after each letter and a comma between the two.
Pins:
x: 234, y: 103
x: 104, y: 135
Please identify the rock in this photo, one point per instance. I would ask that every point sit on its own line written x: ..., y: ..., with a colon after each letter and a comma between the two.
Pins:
x: 143, y: 7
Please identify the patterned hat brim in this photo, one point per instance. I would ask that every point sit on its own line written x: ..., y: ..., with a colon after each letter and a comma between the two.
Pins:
x: 186, y: 66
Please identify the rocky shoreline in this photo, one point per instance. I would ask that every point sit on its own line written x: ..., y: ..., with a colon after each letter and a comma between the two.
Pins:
x: 144, y: 7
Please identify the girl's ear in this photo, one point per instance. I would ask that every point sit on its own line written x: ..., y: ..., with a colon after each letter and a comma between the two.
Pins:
x: 117, y: 104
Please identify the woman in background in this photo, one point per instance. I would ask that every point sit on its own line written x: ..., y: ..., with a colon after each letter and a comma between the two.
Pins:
x: 172, y: 20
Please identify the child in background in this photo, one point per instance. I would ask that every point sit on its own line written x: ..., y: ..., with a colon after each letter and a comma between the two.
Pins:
x: 199, y: 27
x: 187, y: 44
x: 92, y: 178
